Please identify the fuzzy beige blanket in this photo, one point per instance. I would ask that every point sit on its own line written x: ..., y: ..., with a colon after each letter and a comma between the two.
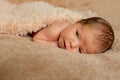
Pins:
x: 22, y: 59
x: 28, y: 17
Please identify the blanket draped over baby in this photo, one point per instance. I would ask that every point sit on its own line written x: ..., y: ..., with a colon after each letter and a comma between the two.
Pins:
x: 28, y: 17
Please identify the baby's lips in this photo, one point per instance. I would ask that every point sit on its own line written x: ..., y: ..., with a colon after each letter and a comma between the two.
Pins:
x: 67, y: 45
x: 60, y: 44
x: 64, y: 44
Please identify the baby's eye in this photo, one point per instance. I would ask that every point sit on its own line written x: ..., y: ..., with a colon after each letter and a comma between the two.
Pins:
x: 77, y: 33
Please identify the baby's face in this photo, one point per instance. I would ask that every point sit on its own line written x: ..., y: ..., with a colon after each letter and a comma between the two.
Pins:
x: 76, y: 38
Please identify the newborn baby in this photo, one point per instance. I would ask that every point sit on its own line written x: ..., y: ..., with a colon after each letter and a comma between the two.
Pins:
x: 92, y: 35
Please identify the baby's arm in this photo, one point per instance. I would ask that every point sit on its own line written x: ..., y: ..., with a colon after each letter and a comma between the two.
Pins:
x: 50, y: 34
x: 45, y: 36
x: 41, y: 38
x: 51, y: 43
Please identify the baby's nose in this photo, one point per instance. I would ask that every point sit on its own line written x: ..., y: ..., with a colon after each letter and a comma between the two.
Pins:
x: 73, y: 47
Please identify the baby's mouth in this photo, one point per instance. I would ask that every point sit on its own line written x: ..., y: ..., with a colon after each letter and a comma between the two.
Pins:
x: 64, y: 44
x: 61, y: 43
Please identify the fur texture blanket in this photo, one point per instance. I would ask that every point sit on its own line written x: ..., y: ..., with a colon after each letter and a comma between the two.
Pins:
x: 27, y: 17
x: 22, y: 59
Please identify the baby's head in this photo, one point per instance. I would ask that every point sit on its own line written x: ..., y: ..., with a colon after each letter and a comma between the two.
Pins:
x: 102, y: 31
x: 91, y: 35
